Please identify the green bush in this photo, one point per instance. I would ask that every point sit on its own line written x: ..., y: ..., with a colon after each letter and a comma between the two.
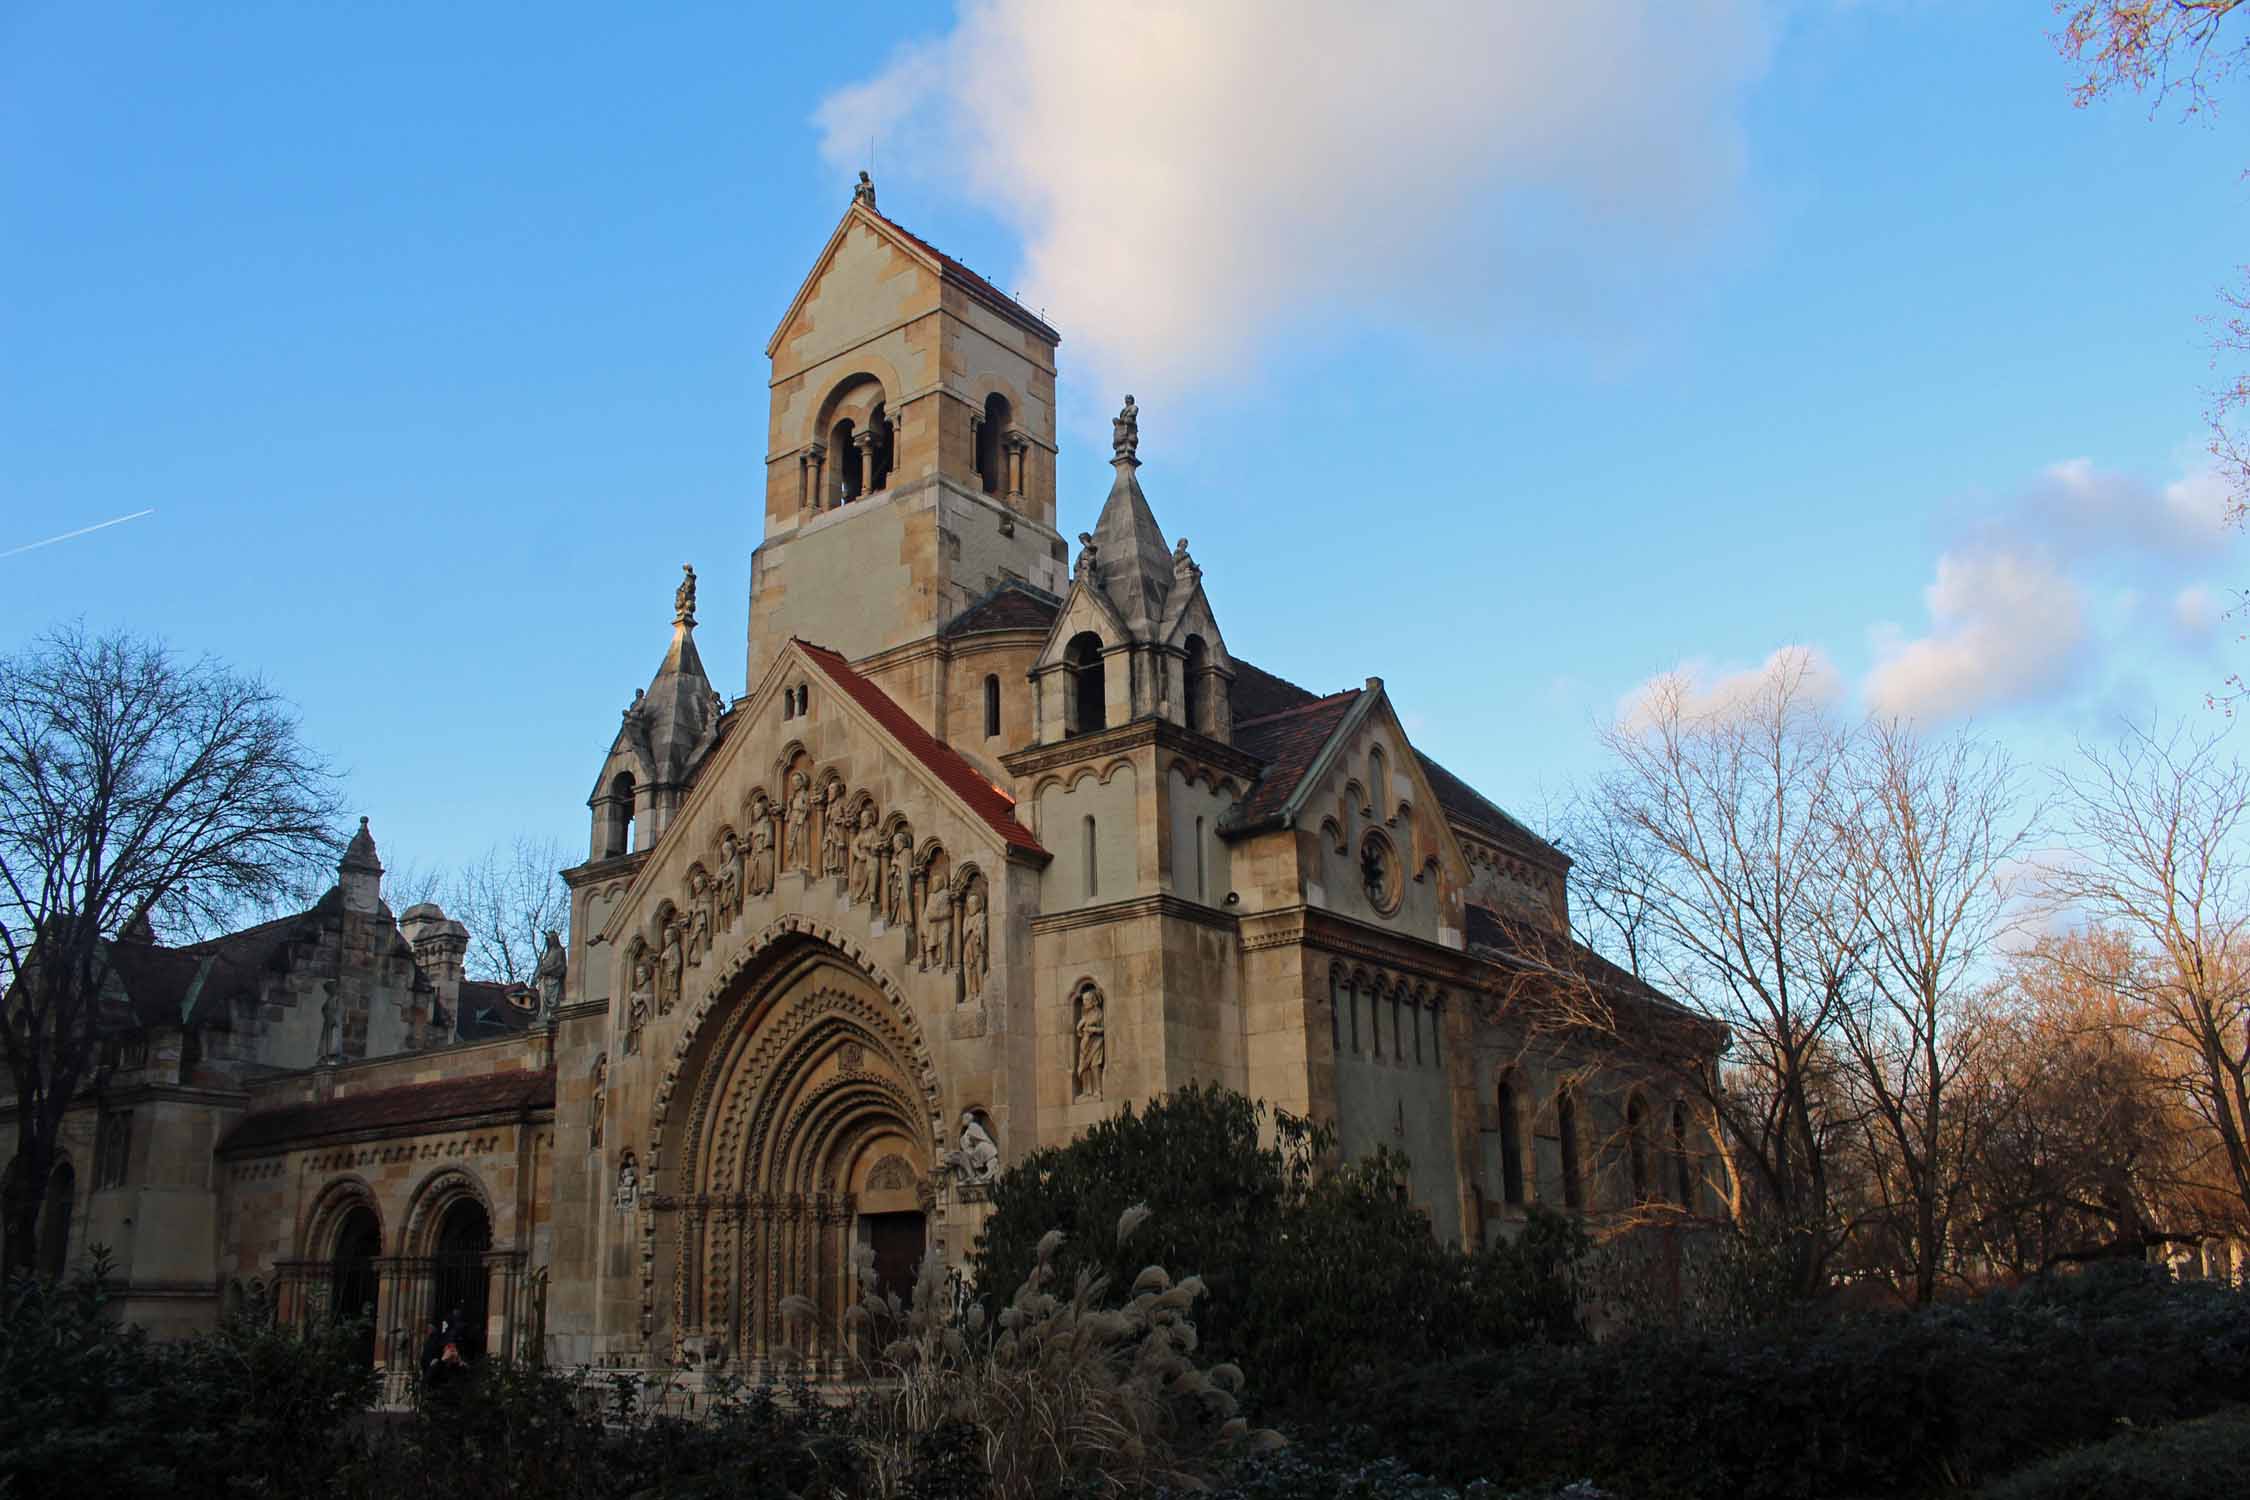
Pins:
x: 2185, y: 1461
x: 1877, y: 1405
x: 1316, y: 1279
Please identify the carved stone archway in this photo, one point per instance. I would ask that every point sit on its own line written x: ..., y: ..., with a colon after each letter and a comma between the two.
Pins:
x: 803, y: 1069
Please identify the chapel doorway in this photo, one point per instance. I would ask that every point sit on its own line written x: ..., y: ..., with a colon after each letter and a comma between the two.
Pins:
x: 352, y: 1281
x: 458, y: 1272
x: 899, y: 1241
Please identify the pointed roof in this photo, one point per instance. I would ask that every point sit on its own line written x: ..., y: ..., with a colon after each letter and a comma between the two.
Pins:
x: 359, y: 854
x: 1132, y: 561
x: 675, y: 720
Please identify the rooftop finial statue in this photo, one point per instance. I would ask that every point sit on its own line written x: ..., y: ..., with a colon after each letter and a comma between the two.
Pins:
x: 1125, y: 432
x: 865, y: 191
x: 683, y: 602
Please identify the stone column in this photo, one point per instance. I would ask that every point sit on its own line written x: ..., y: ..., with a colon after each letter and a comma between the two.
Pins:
x: 865, y: 443
x: 815, y: 461
x: 1016, y: 444
x: 976, y: 435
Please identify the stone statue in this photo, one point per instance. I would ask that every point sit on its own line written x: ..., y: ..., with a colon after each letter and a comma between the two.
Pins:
x: 902, y: 854
x: 1084, y: 569
x: 671, y: 965
x: 1125, y: 432
x: 973, y: 957
x: 1184, y: 566
x: 866, y: 854
x: 1093, y: 1043
x: 699, y: 935
x: 330, y: 1014
x: 637, y: 1007
x: 797, y: 852
x: 979, y: 1156
x: 730, y: 879
x: 628, y: 1185
x: 865, y: 191
x: 835, y: 833
x: 548, y: 977
x: 600, y: 1104
x: 683, y: 602
x: 937, y: 927
x: 761, y: 850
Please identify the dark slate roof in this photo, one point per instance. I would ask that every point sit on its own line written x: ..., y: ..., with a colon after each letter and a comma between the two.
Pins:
x: 486, y: 1011
x: 1256, y: 693
x: 987, y: 801
x: 1516, y: 943
x: 1463, y: 803
x: 1287, y: 742
x: 411, y: 1106
x: 175, y: 986
x: 1012, y: 606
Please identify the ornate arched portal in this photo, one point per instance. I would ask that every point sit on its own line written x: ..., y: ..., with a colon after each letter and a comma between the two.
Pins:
x: 810, y: 1128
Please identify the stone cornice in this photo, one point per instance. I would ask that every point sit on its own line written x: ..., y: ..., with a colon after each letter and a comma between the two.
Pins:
x: 416, y: 1130
x: 1329, y: 933
x: 1162, y: 904
x: 1139, y: 734
x: 614, y: 867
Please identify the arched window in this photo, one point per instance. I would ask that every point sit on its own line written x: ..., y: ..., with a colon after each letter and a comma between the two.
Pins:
x: 1336, y: 1013
x: 1437, y: 1031
x: 1511, y: 1144
x: 991, y: 706
x: 1375, y: 1018
x: 618, y: 817
x: 1566, y: 1132
x: 352, y: 1281
x: 843, y: 451
x: 54, y: 1219
x: 1636, y: 1147
x: 1683, y: 1167
x: 1378, y: 786
x: 992, y: 433
x: 1416, y: 1007
x: 1093, y: 862
x: 1201, y: 893
x: 1398, y: 1033
x: 878, y: 474
x: 1089, y: 692
x: 1351, y: 1000
x: 462, y: 1281
x: 1191, y: 688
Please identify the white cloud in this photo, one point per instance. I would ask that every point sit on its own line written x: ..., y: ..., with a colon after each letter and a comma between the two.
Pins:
x: 2004, y: 626
x: 2102, y: 515
x: 1187, y: 177
x: 2195, y: 613
x: 1703, y: 690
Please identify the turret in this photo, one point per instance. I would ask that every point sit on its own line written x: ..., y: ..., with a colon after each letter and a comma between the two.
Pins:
x: 359, y: 875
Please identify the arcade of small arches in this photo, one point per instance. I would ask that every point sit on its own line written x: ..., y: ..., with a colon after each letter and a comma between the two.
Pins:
x: 853, y: 449
x: 1365, y: 1004
x: 1657, y: 1172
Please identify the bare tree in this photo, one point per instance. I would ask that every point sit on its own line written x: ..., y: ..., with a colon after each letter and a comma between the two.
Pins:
x: 509, y: 898
x: 1926, y: 834
x: 1715, y: 848
x: 133, y: 786
x: 2162, y: 857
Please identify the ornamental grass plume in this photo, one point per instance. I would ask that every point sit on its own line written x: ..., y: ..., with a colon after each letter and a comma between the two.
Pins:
x: 1062, y: 1390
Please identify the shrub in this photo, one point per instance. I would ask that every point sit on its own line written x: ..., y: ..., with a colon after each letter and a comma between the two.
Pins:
x: 2185, y: 1461
x: 1066, y: 1393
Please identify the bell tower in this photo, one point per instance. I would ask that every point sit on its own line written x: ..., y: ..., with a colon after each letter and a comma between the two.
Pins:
x: 910, y: 447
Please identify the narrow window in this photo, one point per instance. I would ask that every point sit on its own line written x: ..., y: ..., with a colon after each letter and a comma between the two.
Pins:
x: 116, y: 1149
x: 1566, y: 1131
x: 991, y: 706
x: 1351, y: 997
x: 843, y: 447
x: 1682, y: 1167
x: 1378, y: 789
x: 1416, y: 1007
x: 1093, y: 862
x: 1375, y: 1020
x: 1200, y: 891
x: 1195, y: 670
x: 618, y: 816
x: 1398, y: 1048
x: 878, y: 450
x: 1336, y: 1014
x: 991, y: 436
x: 1437, y: 1033
x: 1511, y: 1145
x: 1089, y: 691
x: 1636, y: 1146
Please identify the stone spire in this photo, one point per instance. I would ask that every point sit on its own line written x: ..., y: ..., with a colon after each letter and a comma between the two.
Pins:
x: 1133, y: 562
x: 675, y: 718
x: 360, y: 873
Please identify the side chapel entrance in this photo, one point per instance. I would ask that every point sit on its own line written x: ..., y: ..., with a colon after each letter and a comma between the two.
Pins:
x: 810, y: 1132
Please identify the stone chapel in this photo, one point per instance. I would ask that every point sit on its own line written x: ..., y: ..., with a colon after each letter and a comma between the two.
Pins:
x: 999, y: 834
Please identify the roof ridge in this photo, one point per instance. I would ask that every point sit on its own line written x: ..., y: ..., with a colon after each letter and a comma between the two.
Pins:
x: 1323, y: 701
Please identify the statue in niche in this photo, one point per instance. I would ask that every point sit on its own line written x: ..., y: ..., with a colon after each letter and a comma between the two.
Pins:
x: 761, y: 850
x: 835, y: 833
x: 973, y: 957
x: 638, y: 1005
x: 696, y: 920
x: 671, y: 964
x: 978, y: 1159
x: 730, y: 879
x: 1125, y: 432
x: 600, y: 1104
x: 628, y: 1185
x: 866, y: 857
x: 937, y: 926
x: 796, y: 853
x: 1093, y: 1043
x: 683, y: 601
x: 902, y: 854
x: 331, y: 1011
x: 554, y: 965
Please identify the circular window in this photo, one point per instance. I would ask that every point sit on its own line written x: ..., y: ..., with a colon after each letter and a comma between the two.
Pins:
x: 1380, y: 874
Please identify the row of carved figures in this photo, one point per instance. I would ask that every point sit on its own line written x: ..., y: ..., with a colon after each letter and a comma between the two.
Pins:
x: 817, y: 833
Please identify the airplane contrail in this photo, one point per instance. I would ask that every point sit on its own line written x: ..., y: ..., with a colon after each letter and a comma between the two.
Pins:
x: 81, y: 531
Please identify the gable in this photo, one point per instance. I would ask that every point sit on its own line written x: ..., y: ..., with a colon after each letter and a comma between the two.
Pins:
x: 1085, y: 608
x: 867, y: 278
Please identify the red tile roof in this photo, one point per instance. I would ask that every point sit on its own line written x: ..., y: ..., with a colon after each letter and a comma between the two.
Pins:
x: 1256, y: 693
x: 409, y: 1106
x: 987, y: 801
x: 1288, y: 742
x: 981, y: 288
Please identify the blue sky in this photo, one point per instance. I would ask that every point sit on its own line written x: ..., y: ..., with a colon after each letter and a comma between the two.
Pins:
x: 1514, y: 376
